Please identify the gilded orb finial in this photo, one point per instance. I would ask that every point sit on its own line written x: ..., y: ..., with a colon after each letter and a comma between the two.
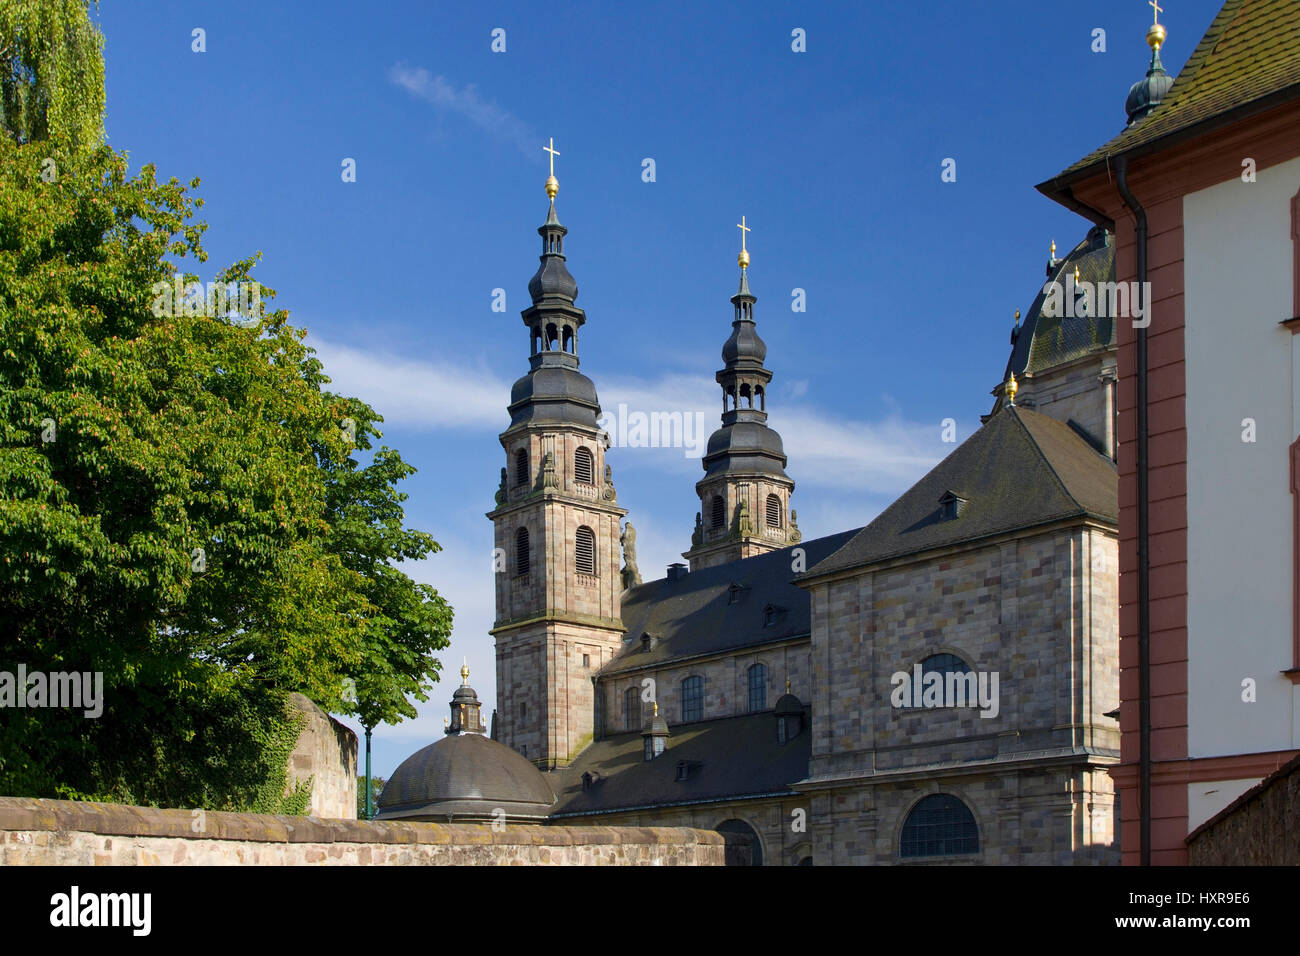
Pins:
x: 787, y: 685
x: 552, y: 184
x: 1155, y: 33
x: 1053, y: 248
x: 464, y: 671
x: 1011, y: 388
x: 743, y: 258
x: 656, y: 704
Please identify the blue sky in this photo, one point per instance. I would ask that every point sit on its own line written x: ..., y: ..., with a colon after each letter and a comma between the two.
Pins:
x: 834, y: 156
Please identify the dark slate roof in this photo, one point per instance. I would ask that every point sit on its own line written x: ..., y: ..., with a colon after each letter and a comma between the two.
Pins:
x: 465, y: 775
x: 693, y: 615
x: 1045, y: 341
x: 731, y: 757
x: 1250, y: 55
x: 1020, y: 470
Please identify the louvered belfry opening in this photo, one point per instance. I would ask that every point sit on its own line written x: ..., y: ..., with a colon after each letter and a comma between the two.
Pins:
x: 719, y: 512
x: 773, y: 511
x: 521, y: 466
x: 521, y: 551
x: 585, y: 550
x: 584, y: 466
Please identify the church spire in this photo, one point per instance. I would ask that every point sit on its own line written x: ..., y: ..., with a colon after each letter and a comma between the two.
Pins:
x: 553, y: 320
x: 745, y: 492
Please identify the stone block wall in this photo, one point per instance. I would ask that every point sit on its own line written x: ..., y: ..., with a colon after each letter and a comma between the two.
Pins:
x: 726, y: 684
x: 59, y: 832
x: 1051, y: 816
x: 1259, y: 828
x: 326, y: 754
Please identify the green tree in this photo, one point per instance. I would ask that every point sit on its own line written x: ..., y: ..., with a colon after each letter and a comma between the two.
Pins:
x: 179, y: 508
x: 51, y: 73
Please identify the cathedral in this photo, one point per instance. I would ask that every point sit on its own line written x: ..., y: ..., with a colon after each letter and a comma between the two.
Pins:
x: 939, y: 686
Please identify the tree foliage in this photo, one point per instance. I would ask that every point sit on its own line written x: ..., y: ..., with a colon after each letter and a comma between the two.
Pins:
x: 181, y: 507
x: 51, y: 73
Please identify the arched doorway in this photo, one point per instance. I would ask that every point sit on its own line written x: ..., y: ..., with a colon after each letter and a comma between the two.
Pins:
x: 740, y: 828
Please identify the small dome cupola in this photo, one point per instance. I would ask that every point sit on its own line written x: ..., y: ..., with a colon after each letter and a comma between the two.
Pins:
x: 466, y: 710
x: 466, y: 776
x: 655, y: 735
x: 1149, y: 92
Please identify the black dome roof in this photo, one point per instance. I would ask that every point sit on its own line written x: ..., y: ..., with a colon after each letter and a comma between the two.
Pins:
x: 557, y: 393
x: 745, y: 446
x: 465, y: 775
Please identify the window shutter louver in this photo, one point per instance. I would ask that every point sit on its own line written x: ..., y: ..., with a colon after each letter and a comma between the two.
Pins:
x: 585, y: 549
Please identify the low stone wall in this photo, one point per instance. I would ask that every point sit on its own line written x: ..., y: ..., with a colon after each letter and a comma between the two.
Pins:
x: 326, y: 754
x: 1259, y: 828
x: 60, y: 832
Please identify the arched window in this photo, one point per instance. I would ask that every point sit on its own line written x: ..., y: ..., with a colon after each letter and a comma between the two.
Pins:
x: 632, y: 708
x: 584, y: 550
x: 584, y: 468
x: 521, y: 551
x: 719, y: 512
x: 958, y: 687
x: 757, y: 688
x: 692, y: 699
x: 739, y: 828
x: 939, y: 825
x: 521, y: 466
x: 773, y: 511
x: 746, y: 397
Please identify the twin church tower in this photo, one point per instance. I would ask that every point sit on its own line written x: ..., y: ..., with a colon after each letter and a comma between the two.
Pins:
x: 557, y: 516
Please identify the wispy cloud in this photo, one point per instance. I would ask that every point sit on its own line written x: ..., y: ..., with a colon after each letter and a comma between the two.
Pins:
x: 878, y: 456
x: 422, y: 395
x: 494, y: 120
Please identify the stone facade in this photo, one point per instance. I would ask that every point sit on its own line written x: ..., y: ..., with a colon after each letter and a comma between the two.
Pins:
x: 556, y: 625
x: 62, y: 833
x: 326, y: 754
x: 726, y: 684
x: 1038, y: 609
x: 741, y: 536
x: 781, y: 824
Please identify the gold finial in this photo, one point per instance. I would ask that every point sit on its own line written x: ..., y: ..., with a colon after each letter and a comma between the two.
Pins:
x: 552, y: 184
x: 464, y: 671
x: 1053, y: 248
x: 1155, y: 33
x: 1017, y: 318
x: 743, y: 258
x: 656, y: 703
x: 1011, y: 388
x: 1076, y: 276
x: 787, y: 685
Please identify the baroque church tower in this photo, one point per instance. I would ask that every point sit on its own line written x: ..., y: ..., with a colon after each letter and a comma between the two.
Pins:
x: 745, y: 492
x: 557, y: 530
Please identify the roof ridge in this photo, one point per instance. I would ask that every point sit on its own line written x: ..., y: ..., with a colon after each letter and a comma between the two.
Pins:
x: 1069, y: 493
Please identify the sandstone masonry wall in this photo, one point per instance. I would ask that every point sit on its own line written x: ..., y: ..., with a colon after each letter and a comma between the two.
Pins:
x: 60, y: 832
x: 326, y: 754
x: 1259, y: 828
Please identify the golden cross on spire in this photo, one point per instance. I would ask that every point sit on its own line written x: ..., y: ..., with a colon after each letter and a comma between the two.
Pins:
x: 1156, y: 10
x: 552, y: 184
x: 743, y: 258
